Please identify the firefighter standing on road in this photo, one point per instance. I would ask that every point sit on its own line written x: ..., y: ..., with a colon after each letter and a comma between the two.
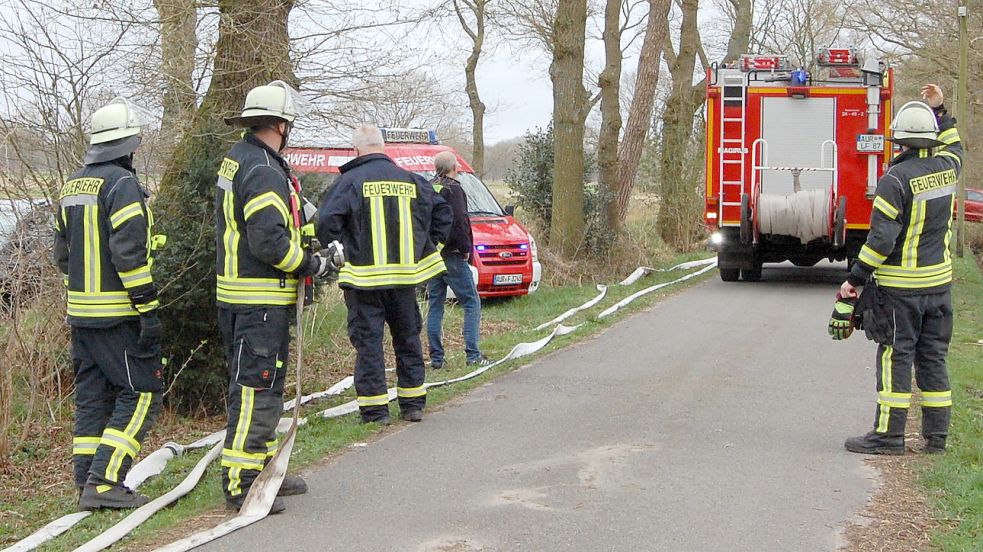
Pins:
x: 391, y: 224
x: 102, y: 246
x: 260, y: 257
x: 907, y: 256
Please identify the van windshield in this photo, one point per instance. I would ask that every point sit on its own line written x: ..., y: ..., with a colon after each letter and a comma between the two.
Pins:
x: 480, y: 200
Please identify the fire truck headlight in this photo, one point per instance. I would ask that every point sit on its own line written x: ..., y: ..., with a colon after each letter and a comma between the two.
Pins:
x: 716, y: 238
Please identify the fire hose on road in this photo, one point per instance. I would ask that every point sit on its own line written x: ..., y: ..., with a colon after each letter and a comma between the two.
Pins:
x: 263, y: 491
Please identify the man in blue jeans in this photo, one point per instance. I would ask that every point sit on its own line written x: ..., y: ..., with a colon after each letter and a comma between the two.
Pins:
x: 456, y: 253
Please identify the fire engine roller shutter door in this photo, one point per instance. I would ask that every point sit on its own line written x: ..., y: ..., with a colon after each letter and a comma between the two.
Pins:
x: 795, y: 130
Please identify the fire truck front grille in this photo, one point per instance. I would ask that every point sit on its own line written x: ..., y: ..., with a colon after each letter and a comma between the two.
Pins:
x: 516, y: 254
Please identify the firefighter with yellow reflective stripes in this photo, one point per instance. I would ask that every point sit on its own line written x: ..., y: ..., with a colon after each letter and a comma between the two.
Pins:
x: 392, y: 225
x: 260, y: 256
x: 909, y: 312
x: 103, y: 245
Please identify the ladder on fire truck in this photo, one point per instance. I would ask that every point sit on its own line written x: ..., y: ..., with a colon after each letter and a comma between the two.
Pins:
x: 732, y: 139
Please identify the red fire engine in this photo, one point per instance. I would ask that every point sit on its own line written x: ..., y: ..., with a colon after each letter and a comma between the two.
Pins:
x: 793, y: 158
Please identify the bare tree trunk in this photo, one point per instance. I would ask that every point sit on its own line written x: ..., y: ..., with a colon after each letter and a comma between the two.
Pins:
x: 679, y: 219
x: 178, y: 22
x: 569, y: 113
x: 609, y: 81
x: 740, y: 36
x: 677, y: 125
x: 642, y: 104
x: 477, y: 36
x: 252, y: 49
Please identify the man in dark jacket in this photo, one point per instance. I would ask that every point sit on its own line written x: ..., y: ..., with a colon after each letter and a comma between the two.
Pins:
x: 907, y: 255
x: 456, y: 253
x: 103, y: 248
x: 391, y: 224
x: 260, y: 257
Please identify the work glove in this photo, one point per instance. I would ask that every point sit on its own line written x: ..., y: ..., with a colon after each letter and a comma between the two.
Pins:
x: 150, y: 331
x: 841, y: 322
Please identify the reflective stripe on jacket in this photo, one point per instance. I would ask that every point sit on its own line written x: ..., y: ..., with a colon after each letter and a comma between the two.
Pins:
x: 259, y: 253
x: 907, y: 248
x: 390, y: 221
x: 103, y: 245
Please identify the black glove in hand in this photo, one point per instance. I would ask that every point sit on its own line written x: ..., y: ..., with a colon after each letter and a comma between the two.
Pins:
x: 150, y: 331
x: 841, y: 322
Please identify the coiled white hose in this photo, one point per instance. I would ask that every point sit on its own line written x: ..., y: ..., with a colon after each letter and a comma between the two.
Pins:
x: 804, y: 214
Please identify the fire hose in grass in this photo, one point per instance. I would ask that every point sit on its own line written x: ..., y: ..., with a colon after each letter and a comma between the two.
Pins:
x: 257, y: 507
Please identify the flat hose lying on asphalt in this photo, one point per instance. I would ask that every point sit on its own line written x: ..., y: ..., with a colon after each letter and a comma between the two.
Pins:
x: 249, y: 516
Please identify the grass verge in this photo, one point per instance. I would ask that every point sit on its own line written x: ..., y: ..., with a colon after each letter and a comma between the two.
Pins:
x: 955, y: 480
x: 504, y: 324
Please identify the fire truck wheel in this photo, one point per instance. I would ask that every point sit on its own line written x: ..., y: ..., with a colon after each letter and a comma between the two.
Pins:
x: 730, y: 274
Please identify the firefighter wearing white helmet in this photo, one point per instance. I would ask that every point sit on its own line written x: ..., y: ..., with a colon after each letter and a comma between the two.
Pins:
x: 103, y: 248
x: 906, y: 272
x: 261, y: 254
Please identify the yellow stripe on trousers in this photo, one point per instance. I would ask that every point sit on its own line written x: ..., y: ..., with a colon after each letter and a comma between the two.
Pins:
x: 132, y: 428
x: 239, y: 439
x: 885, y: 415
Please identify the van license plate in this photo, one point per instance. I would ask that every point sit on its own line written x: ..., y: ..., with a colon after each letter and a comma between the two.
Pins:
x: 870, y: 143
x: 507, y: 279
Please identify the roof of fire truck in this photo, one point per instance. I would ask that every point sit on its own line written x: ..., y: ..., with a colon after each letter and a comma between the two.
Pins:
x: 833, y: 67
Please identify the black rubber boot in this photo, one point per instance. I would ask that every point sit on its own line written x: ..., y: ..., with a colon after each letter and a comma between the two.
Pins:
x: 381, y: 420
x: 875, y: 443
x: 935, y: 428
x: 292, y: 485
x: 96, y: 496
x: 934, y: 445
x: 235, y: 503
x: 412, y: 415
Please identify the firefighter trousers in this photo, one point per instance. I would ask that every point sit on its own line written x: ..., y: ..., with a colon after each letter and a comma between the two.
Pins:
x: 117, y: 397
x: 368, y: 313
x: 257, y: 341
x: 923, y: 329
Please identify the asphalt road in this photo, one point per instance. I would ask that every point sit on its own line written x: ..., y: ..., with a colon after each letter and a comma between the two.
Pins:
x: 713, y: 421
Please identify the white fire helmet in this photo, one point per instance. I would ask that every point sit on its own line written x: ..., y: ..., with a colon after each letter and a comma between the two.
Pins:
x: 276, y: 99
x: 915, y: 126
x: 120, y: 118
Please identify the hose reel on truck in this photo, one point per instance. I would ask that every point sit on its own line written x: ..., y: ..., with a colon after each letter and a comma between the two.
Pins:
x: 804, y: 214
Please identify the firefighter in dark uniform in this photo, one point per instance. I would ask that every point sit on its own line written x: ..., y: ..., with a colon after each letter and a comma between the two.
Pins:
x: 906, y: 262
x: 103, y: 246
x: 260, y: 256
x: 392, y: 225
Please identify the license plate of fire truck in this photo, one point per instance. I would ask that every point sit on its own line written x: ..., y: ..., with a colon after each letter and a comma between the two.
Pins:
x: 507, y: 279
x: 870, y: 143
